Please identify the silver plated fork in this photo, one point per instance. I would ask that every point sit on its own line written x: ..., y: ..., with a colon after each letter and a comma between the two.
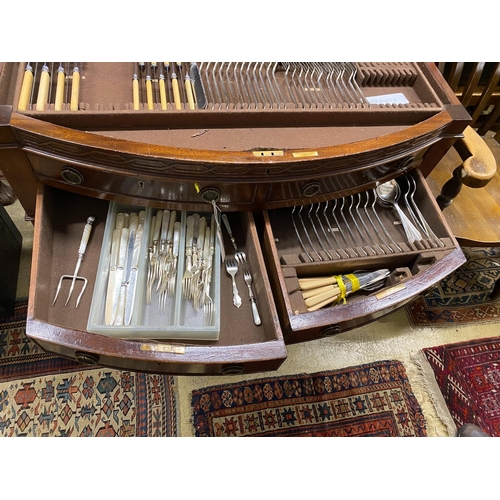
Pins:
x: 232, y: 269
x: 242, y: 260
x: 248, y: 280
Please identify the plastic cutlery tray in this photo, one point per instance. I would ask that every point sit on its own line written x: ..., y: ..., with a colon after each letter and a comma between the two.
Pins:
x: 178, y: 319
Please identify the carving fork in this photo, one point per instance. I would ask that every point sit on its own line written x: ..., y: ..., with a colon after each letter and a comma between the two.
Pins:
x: 73, y: 277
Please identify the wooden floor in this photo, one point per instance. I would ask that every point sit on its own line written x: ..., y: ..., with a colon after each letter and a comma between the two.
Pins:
x: 474, y: 215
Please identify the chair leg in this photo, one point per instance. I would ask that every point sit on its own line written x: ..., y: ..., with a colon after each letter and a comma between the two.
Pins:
x: 7, y: 196
x: 451, y: 189
x: 495, y: 294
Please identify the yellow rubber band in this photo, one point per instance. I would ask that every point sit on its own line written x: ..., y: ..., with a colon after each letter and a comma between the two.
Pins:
x: 354, y: 280
x: 342, y: 288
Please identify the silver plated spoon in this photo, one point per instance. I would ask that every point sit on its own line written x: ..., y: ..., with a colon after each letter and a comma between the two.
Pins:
x: 387, y: 195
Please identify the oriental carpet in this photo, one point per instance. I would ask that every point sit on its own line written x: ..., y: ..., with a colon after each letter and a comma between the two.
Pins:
x: 468, y: 376
x: 44, y: 395
x: 373, y: 399
x: 464, y: 295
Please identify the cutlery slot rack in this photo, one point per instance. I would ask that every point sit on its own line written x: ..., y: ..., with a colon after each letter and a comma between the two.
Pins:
x: 355, y: 233
x: 392, y: 91
x: 176, y: 318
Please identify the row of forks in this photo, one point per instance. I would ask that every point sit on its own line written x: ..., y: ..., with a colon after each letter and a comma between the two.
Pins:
x: 199, y: 253
x: 163, y: 255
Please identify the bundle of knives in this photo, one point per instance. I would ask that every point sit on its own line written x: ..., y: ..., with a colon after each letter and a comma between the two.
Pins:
x: 322, y: 291
x: 124, y: 263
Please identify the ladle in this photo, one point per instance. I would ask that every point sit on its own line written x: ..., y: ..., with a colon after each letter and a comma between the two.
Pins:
x: 387, y: 195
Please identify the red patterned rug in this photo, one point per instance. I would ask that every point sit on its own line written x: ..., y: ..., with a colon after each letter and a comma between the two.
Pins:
x: 464, y: 295
x: 44, y: 395
x: 367, y: 400
x: 468, y: 376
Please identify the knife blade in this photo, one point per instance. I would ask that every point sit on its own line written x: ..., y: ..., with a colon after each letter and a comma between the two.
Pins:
x: 199, y: 91
x: 122, y: 261
x: 120, y: 313
x: 113, y: 264
x: 132, y: 279
x: 228, y: 227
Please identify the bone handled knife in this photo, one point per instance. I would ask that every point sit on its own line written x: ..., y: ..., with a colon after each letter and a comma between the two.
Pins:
x: 24, y: 96
x: 43, y: 88
x: 75, y: 89
x: 132, y: 278
x: 228, y: 227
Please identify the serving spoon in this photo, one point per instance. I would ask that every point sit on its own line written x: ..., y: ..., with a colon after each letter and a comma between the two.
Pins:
x: 387, y: 196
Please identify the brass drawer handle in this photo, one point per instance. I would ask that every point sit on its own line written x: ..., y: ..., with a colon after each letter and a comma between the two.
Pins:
x: 72, y: 176
x: 210, y: 194
x: 87, y: 358
x: 310, y: 189
x: 328, y: 331
x: 232, y: 370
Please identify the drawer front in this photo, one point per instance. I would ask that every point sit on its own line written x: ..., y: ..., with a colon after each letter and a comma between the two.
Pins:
x: 120, y: 184
x: 242, y: 346
x: 303, y: 243
x: 341, y: 181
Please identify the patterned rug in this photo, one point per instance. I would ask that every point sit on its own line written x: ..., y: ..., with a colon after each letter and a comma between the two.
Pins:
x: 464, y: 295
x: 44, y: 395
x: 374, y: 399
x: 468, y: 376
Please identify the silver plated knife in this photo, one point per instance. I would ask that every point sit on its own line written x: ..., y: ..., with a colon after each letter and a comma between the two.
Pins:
x: 120, y: 312
x: 228, y: 227
x: 132, y: 278
x: 113, y: 264
x: 120, y: 270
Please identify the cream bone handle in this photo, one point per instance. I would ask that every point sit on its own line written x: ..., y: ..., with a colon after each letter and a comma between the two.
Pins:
x: 175, y: 90
x: 149, y: 92
x: 61, y: 77
x: 24, y: 96
x: 310, y: 283
x: 75, y: 89
x: 189, y: 92
x: 319, y: 298
x: 43, y: 89
x: 163, y: 93
x: 135, y: 92
x: 313, y: 292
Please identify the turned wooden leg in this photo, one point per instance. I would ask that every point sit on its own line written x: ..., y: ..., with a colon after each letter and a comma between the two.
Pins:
x: 495, y: 294
x: 478, y: 167
x: 451, y: 188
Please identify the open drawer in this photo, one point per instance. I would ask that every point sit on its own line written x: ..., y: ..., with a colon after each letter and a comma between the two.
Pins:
x: 241, y: 346
x: 352, y: 235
